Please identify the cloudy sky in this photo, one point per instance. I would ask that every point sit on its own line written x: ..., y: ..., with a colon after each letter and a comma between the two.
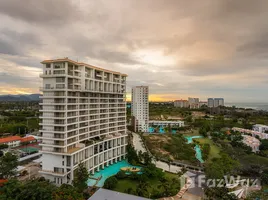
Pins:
x: 179, y: 48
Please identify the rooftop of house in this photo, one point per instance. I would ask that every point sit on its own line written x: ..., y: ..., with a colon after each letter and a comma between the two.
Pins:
x: 27, y: 139
x: 104, y: 194
x: 9, y: 139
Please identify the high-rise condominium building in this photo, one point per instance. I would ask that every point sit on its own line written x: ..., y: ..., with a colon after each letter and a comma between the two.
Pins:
x: 83, y: 118
x: 193, y: 102
x: 216, y: 102
x: 181, y: 103
x: 210, y: 102
x: 140, y: 108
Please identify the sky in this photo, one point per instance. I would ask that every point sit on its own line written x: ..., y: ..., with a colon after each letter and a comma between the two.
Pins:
x: 178, y: 48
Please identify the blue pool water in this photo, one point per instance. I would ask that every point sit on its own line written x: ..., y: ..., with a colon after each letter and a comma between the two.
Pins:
x: 151, y: 130
x: 107, y: 172
x: 190, y: 139
x: 161, y: 130
x: 198, y: 152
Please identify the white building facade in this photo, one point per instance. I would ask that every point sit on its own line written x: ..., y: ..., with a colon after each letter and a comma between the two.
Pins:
x: 166, y: 123
x: 83, y: 118
x: 140, y: 108
x: 260, y: 128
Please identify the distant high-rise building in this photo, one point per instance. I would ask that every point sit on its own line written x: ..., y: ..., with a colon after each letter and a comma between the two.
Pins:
x: 193, y: 102
x: 210, y: 102
x: 216, y: 102
x: 140, y: 108
x: 181, y: 103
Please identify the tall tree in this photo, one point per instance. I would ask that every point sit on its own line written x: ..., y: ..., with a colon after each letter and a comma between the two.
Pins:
x: 8, y: 165
x: 80, y: 178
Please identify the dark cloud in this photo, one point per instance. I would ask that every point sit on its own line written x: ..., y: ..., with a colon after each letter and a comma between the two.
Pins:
x: 16, y: 43
x: 206, y: 44
x: 40, y: 12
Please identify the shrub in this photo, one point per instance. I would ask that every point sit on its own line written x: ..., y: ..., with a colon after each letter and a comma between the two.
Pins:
x: 110, y: 182
x: 121, y: 175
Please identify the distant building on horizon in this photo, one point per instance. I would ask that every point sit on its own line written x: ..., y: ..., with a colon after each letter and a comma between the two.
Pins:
x: 181, y: 103
x: 140, y: 108
x: 193, y: 102
x: 215, y: 102
x: 210, y: 102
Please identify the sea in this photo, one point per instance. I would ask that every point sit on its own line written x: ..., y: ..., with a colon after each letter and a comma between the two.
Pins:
x: 256, y: 106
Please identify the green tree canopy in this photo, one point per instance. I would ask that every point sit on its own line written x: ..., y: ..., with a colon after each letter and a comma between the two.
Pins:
x: 8, y: 165
x: 67, y: 192
x: 80, y: 178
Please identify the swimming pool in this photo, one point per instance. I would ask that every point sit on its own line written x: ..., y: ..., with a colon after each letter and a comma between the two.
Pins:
x: 190, y: 138
x: 107, y: 172
x: 198, y: 152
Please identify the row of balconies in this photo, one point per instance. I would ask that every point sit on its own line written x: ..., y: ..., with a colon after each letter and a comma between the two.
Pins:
x: 72, y: 127
x: 59, y: 147
x: 91, y: 119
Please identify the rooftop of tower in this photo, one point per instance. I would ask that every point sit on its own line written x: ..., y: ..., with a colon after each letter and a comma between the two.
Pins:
x: 80, y: 64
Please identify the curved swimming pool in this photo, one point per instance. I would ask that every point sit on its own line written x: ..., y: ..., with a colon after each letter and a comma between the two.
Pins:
x: 107, y: 172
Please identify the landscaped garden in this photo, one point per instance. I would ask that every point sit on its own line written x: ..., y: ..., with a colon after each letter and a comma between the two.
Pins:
x: 149, y: 182
x: 173, y: 146
x: 213, y: 149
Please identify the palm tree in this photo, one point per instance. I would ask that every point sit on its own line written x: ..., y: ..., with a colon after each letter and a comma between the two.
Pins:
x: 169, y: 162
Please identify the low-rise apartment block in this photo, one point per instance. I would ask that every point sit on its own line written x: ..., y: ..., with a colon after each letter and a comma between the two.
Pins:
x: 166, y: 123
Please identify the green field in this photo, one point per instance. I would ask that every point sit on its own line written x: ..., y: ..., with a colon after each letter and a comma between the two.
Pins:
x: 253, y: 159
x: 214, y: 150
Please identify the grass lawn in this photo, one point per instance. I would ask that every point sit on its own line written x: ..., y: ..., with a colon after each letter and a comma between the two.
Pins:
x: 124, y: 184
x: 214, y: 150
x: 253, y: 159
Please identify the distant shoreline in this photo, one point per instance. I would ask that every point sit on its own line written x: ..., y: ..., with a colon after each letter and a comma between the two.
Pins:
x: 255, y: 106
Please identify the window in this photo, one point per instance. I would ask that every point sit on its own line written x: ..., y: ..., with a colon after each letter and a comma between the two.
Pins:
x: 47, y: 65
x: 47, y: 86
